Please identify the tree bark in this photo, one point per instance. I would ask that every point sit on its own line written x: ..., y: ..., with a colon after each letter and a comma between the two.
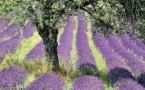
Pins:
x: 49, y: 38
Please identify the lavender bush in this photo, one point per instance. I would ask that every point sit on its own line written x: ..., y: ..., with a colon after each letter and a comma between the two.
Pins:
x: 88, y: 83
x: 113, y: 60
x: 28, y: 30
x: 84, y: 52
x: 128, y: 84
x: 128, y: 43
x: 2, y: 24
x: 38, y: 52
x: 65, y: 48
x: 136, y: 66
x: 12, y: 76
x: 10, y: 31
x: 48, y: 81
x: 9, y: 46
x: 138, y: 42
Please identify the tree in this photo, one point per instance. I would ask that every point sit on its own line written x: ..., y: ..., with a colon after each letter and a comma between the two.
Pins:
x: 109, y: 15
x: 46, y: 20
x: 47, y: 24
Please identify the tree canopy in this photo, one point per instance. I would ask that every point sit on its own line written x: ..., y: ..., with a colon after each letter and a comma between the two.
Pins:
x: 105, y: 13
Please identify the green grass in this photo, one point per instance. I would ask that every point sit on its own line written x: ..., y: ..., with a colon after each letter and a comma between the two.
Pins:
x: 74, y: 50
x: 61, y: 30
x: 27, y: 45
x: 29, y: 79
x: 100, y: 62
x: 19, y: 55
x: 34, y: 69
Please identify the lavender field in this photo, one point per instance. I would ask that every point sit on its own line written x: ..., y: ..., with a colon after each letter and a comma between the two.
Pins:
x: 88, y: 61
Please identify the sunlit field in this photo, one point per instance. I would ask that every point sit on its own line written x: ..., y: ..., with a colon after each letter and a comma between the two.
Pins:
x: 88, y: 60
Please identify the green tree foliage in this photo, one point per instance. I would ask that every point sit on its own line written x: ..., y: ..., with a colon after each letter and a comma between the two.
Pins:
x: 109, y: 16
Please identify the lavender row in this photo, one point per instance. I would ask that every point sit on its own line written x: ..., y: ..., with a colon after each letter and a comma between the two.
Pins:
x: 88, y: 83
x: 84, y: 52
x: 38, y: 52
x: 2, y: 24
x: 139, y: 43
x: 47, y: 81
x: 128, y: 43
x: 136, y: 66
x: 122, y: 79
x: 10, y: 31
x: 28, y: 30
x: 113, y: 60
x: 128, y: 84
x: 9, y: 46
x: 65, y: 48
x: 12, y: 77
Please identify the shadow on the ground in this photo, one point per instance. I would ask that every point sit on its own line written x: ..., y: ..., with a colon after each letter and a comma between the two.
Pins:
x: 118, y: 74
x: 86, y: 69
x: 141, y: 79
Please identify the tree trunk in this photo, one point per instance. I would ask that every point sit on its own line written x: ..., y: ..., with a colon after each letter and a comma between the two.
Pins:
x: 49, y: 37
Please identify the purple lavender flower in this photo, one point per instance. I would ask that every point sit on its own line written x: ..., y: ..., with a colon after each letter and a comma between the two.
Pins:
x: 12, y: 76
x: 128, y: 84
x: 28, y: 30
x: 2, y: 24
x: 113, y: 42
x: 139, y: 43
x: 9, y: 46
x: 137, y: 67
x: 128, y: 43
x: 65, y: 48
x: 38, y: 52
x: 84, y: 52
x: 80, y: 12
x: 113, y: 62
x: 48, y: 81
x: 99, y: 40
x: 10, y: 31
x: 132, y: 61
x: 88, y: 83
x: 112, y: 59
